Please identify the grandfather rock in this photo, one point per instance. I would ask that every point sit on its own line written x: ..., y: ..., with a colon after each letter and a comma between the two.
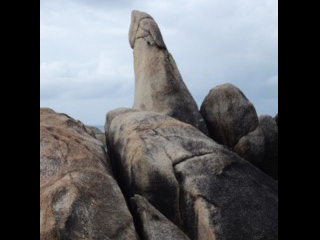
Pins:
x: 189, y: 178
x: 229, y: 114
x: 158, y: 83
x: 79, y: 198
x: 155, y: 226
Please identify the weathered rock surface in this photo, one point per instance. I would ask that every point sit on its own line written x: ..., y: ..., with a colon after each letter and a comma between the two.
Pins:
x: 98, y: 134
x: 232, y: 121
x: 252, y: 147
x: 269, y: 128
x: 229, y: 115
x: 79, y: 198
x: 113, y: 114
x: 158, y: 83
x: 199, y: 185
x: 155, y: 226
x: 134, y: 170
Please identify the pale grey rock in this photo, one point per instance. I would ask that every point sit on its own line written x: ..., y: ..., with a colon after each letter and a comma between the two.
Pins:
x: 144, y: 26
x: 229, y: 115
x: 79, y: 198
x: 201, y: 186
x: 155, y: 226
x: 138, y: 171
x: 158, y: 83
x: 113, y: 114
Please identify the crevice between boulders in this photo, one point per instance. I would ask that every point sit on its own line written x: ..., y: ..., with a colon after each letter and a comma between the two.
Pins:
x: 126, y: 191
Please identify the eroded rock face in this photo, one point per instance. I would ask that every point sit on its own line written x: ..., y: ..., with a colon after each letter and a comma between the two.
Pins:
x: 229, y: 115
x: 158, y: 83
x: 79, y: 198
x: 196, y: 183
x: 155, y: 226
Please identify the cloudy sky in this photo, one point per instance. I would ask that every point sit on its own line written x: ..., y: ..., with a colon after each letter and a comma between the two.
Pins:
x: 86, y: 63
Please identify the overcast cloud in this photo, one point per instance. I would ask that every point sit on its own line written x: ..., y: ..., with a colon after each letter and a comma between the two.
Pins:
x: 86, y: 63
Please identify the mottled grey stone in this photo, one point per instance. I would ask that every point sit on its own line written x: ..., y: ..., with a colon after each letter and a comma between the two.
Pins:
x: 252, y: 147
x: 201, y: 186
x: 229, y: 114
x: 155, y: 226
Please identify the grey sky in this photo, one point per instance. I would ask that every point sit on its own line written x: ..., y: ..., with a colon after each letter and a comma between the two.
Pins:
x: 86, y: 64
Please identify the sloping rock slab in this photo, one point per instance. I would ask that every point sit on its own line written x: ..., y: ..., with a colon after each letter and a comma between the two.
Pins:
x: 192, y: 180
x: 79, y: 198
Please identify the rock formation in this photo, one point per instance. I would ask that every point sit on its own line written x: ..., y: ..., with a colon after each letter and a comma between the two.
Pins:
x: 79, y: 198
x: 232, y: 121
x: 229, y: 114
x: 158, y: 83
x: 199, y: 185
x: 156, y: 174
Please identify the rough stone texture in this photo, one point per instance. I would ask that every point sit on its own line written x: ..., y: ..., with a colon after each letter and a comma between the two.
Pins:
x: 229, y: 115
x: 137, y: 171
x: 79, y: 198
x: 232, y: 121
x: 252, y: 147
x: 276, y: 118
x: 98, y: 134
x: 158, y: 83
x: 155, y: 226
x: 191, y: 179
x: 270, y: 131
x: 113, y: 114
x: 144, y: 26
